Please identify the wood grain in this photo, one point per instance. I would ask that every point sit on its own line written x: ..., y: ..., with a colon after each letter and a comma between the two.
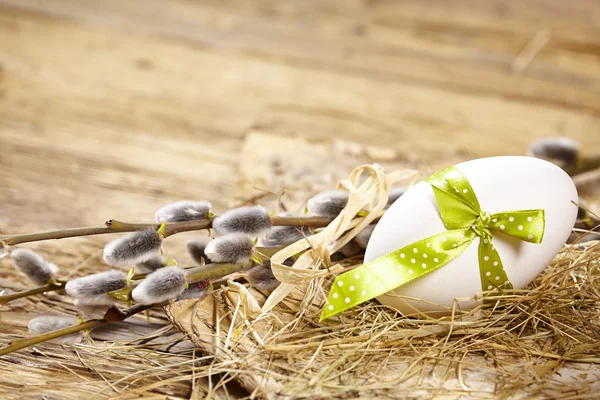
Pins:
x: 109, y: 109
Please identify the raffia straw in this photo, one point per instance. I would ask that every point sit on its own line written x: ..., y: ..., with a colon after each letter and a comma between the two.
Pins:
x: 341, y: 230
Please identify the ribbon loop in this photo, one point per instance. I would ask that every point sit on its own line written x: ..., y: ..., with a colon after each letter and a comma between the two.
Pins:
x: 455, y: 198
x: 465, y: 221
x: 527, y: 225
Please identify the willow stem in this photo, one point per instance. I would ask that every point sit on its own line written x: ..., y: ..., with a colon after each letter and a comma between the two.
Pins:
x: 309, y: 222
x: 26, y: 293
x: 214, y: 271
x: 112, y: 315
x: 114, y: 226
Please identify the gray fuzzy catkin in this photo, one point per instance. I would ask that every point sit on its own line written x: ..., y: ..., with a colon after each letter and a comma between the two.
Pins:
x: 183, y: 210
x: 134, y: 248
x: 50, y: 323
x: 362, y: 239
x: 197, y: 291
x: 350, y: 249
x: 235, y: 248
x: 252, y: 221
x: 328, y: 204
x: 32, y: 265
x: 92, y: 289
x: 261, y: 277
x: 196, y: 250
x: 563, y: 150
x: 589, y: 237
x: 283, y: 235
x: 150, y: 265
x: 164, y: 284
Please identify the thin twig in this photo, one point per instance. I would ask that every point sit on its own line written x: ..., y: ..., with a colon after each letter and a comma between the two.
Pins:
x: 26, y: 293
x: 114, y: 226
x: 112, y: 315
x: 310, y: 222
x: 111, y: 226
x: 214, y: 271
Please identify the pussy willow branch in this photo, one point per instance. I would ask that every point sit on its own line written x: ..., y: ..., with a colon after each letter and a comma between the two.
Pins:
x: 193, y: 274
x: 112, y: 315
x: 203, y: 273
x: 114, y: 226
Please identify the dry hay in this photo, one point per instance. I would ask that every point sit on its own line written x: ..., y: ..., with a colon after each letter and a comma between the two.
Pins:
x: 543, y: 341
x: 539, y: 341
x: 145, y: 356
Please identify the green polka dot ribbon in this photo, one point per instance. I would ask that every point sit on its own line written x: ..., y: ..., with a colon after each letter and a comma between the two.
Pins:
x: 464, y: 221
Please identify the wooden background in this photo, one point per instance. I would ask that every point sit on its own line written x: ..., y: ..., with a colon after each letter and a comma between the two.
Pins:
x: 109, y: 109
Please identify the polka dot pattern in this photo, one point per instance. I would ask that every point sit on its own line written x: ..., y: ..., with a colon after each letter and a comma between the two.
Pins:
x: 464, y: 221
x: 380, y: 276
x: 453, y: 182
x: 527, y: 225
x: 490, y: 267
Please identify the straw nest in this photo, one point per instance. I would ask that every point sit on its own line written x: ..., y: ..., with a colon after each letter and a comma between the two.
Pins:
x: 540, y: 341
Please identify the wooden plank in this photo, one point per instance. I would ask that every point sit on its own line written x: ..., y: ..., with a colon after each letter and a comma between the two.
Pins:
x: 328, y: 103
x: 455, y: 57
x: 110, y: 109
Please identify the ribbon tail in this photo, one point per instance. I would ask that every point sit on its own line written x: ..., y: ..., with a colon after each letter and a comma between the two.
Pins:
x: 395, y: 269
x: 491, y: 269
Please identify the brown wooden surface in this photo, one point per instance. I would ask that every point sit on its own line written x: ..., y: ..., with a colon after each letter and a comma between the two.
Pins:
x: 109, y: 109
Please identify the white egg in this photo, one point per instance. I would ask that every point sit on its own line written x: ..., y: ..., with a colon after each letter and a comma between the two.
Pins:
x: 500, y: 184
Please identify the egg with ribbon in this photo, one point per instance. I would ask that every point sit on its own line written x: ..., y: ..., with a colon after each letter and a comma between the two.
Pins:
x: 465, y: 232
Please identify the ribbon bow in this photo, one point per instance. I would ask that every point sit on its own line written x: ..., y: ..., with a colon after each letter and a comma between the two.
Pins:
x: 462, y: 216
